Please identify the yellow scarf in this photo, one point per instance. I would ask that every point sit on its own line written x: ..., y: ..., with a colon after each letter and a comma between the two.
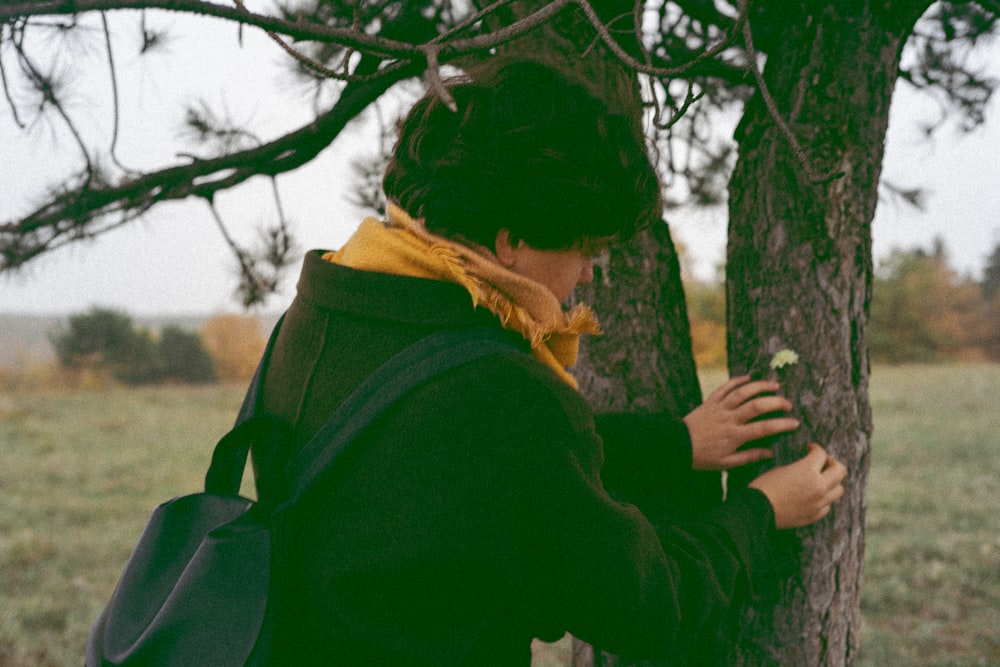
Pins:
x: 404, y: 247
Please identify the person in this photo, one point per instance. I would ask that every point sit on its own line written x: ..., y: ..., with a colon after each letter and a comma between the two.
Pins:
x: 471, y: 517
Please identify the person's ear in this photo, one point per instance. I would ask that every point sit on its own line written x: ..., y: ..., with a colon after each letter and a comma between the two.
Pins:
x: 506, y: 252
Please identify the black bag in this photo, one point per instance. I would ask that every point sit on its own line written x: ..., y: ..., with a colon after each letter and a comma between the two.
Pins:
x: 195, y: 590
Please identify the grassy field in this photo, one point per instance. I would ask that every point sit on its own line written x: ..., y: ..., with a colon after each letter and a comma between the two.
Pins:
x: 932, y: 570
x: 80, y: 471
x: 79, y: 474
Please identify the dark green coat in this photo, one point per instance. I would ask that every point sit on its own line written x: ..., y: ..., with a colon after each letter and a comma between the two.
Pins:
x: 472, y: 516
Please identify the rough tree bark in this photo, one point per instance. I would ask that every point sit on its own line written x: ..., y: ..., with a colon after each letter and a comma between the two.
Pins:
x: 644, y: 360
x: 799, y: 276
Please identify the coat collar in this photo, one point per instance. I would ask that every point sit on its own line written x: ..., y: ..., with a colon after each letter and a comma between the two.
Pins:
x: 373, y: 295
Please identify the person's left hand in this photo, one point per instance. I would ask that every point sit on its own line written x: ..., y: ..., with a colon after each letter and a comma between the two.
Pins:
x: 720, y: 425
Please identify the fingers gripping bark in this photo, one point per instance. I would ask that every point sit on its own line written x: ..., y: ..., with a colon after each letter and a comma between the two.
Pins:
x: 803, y: 492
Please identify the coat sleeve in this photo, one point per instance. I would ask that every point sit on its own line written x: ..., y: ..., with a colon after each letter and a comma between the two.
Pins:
x: 647, y: 463
x: 598, y: 568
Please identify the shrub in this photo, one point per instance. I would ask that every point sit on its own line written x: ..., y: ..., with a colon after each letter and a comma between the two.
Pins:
x: 106, y: 342
x: 184, y: 357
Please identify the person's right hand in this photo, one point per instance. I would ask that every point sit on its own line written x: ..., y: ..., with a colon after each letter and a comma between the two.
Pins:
x: 802, y: 492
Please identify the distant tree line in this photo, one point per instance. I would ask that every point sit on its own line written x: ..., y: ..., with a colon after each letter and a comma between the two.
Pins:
x: 921, y: 310
x: 108, y: 342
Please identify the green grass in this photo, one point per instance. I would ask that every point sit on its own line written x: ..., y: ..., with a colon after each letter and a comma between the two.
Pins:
x: 80, y: 472
x: 932, y: 571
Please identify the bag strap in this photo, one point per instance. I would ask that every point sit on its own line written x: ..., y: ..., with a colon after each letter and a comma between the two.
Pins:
x: 229, y: 459
x: 415, y: 365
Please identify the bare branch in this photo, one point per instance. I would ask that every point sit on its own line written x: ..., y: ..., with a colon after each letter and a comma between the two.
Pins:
x: 317, y: 67
x: 434, y: 76
x: 6, y: 88
x: 254, y: 286
x: 90, y: 205
x: 507, y: 33
x: 259, y: 270
x: 689, y: 99
x: 772, y: 107
x: 277, y: 203
x: 387, y: 60
x: 651, y: 70
x: 115, y: 113
x: 241, y: 256
x: 637, y: 27
x: 94, y: 207
x: 299, y: 30
x: 46, y: 86
x: 388, y: 49
x: 472, y: 20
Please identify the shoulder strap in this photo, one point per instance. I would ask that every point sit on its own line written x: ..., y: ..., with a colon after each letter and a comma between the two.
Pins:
x: 410, y: 368
x: 230, y: 455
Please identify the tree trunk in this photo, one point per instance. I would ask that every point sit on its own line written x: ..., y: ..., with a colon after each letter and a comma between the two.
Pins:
x: 799, y: 277
x: 644, y: 360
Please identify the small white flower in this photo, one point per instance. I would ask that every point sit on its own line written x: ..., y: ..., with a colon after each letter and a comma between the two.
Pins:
x: 784, y: 358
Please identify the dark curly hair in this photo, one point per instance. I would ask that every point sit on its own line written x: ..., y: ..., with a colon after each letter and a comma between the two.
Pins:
x: 529, y: 150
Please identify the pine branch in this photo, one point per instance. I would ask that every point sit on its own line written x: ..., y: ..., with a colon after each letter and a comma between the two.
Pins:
x: 92, y: 208
x: 300, y: 30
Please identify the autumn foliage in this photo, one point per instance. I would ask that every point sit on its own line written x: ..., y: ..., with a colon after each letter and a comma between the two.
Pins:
x: 921, y: 310
x: 706, y: 304
x: 235, y: 343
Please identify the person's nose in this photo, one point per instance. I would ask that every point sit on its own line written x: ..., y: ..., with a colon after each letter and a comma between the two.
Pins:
x: 587, y: 272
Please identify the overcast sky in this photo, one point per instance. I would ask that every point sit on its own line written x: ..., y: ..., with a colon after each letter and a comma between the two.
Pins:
x: 175, y: 261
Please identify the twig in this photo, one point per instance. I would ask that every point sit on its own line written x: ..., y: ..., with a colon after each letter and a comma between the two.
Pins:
x: 472, y: 20
x: 508, y: 33
x: 277, y: 203
x: 114, y: 84
x: 72, y: 210
x: 114, y: 95
x: 307, y: 62
x: 651, y: 70
x: 429, y: 51
x: 637, y: 9
x: 434, y: 77
x: 6, y: 88
x: 689, y: 99
x: 597, y: 37
x: 374, y: 44
x: 248, y: 271
x: 46, y: 87
x: 772, y: 108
